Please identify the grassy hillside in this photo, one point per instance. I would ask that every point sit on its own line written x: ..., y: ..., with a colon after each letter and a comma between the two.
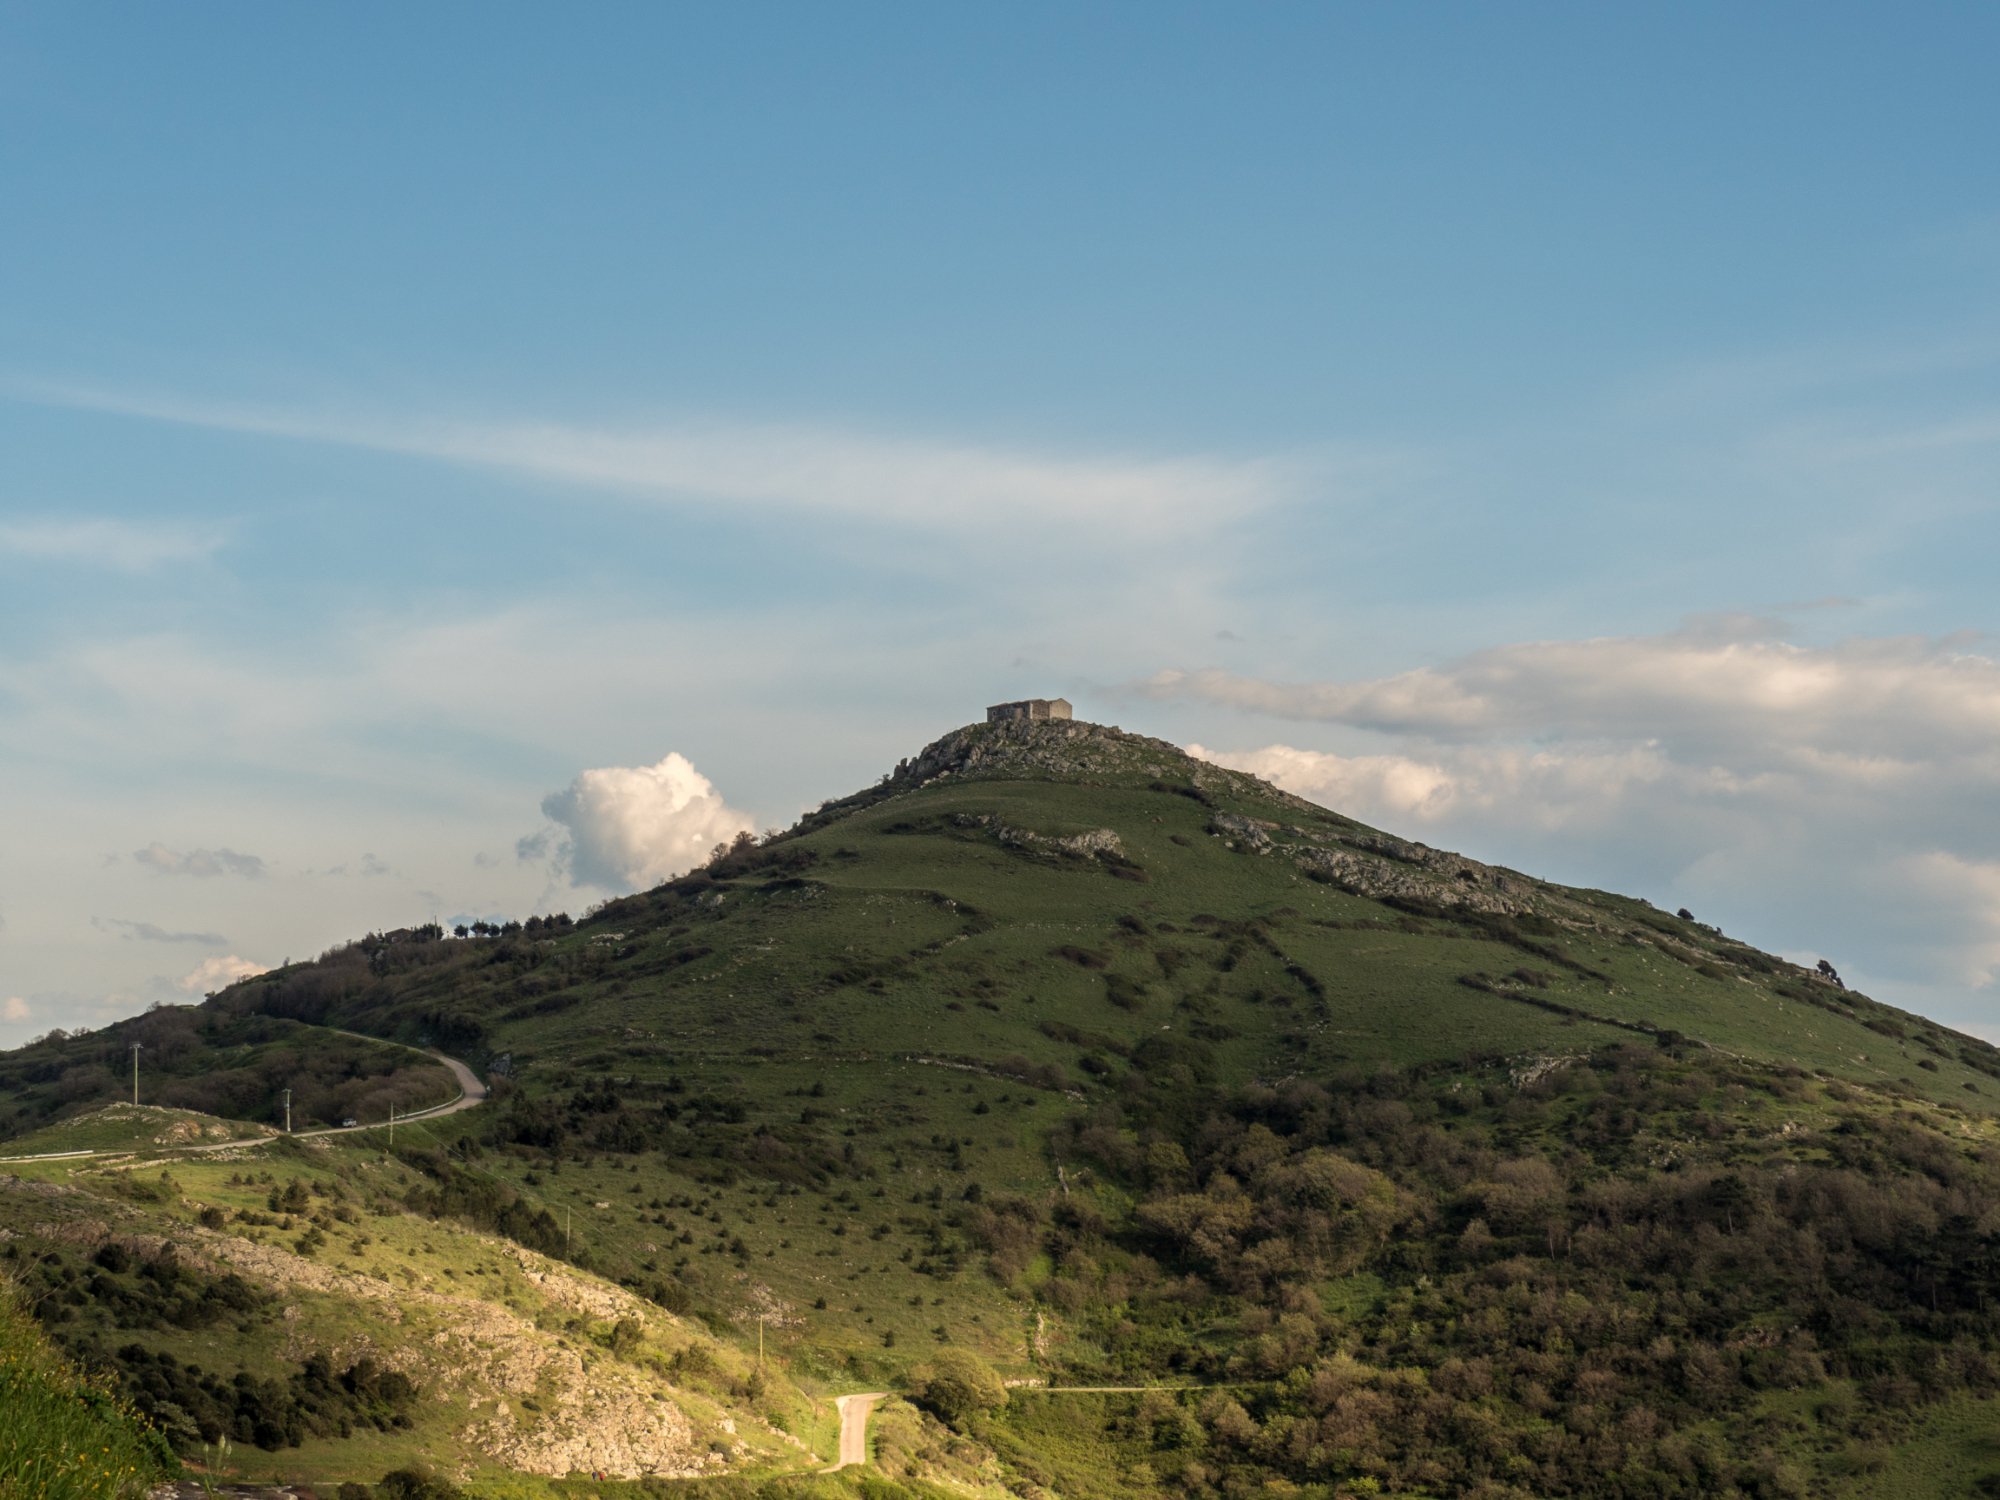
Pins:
x: 1059, y: 875
x: 1105, y: 1067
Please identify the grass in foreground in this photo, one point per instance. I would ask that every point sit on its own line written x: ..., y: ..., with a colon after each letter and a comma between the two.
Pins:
x: 63, y: 1438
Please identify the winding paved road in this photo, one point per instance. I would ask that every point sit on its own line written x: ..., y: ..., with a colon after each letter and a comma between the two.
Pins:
x: 471, y: 1094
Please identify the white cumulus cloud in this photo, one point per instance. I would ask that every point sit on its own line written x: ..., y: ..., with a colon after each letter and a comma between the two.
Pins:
x: 626, y: 827
x: 218, y: 973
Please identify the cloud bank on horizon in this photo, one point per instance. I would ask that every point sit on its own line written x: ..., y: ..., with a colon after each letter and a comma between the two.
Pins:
x: 1723, y: 682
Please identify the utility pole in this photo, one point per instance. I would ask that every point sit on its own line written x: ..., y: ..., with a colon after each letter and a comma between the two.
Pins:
x: 135, y: 1071
x: 288, y: 1111
x: 760, y: 1343
x: 392, y: 1123
x: 565, y: 1231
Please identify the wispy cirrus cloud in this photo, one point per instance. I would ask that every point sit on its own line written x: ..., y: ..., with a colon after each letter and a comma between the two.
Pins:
x: 203, y: 864
x: 927, y: 483
x: 105, y: 542
x: 149, y: 932
x: 368, y: 867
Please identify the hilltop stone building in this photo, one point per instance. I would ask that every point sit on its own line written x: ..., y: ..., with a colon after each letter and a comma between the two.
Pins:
x: 1029, y: 708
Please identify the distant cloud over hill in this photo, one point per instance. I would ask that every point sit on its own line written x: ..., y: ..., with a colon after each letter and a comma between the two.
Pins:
x: 218, y: 973
x: 624, y: 827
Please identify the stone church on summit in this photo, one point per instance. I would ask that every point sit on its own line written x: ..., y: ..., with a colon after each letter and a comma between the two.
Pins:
x: 1029, y: 708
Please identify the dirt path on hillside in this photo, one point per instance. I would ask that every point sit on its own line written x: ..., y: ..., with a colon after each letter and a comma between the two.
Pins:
x: 1111, y: 1390
x: 854, y: 1412
x: 1134, y: 1390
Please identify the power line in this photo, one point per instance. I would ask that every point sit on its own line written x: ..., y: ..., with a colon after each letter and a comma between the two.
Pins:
x: 471, y: 1166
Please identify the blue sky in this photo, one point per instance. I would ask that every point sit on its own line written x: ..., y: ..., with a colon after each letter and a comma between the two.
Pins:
x: 459, y: 460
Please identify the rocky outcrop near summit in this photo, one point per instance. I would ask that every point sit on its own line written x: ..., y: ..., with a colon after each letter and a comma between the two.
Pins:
x: 1386, y: 868
x: 1095, y: 841
x: 1385, y: 879
x: 1322, y: 843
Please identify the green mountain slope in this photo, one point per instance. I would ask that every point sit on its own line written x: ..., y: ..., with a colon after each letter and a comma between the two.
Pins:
x: 1019, y: 880
x: 1106, y: 1067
